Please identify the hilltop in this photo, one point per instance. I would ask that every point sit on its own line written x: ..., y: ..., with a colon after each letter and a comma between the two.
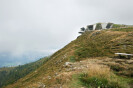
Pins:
x: 88, y: 62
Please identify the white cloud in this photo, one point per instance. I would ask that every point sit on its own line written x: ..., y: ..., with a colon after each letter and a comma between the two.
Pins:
x: 44, y: 26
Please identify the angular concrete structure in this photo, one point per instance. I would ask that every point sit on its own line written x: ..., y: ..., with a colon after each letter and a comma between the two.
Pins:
x: 97, y: 26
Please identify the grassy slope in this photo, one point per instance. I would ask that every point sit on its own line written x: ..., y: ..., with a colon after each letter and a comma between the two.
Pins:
x: 90, y: 44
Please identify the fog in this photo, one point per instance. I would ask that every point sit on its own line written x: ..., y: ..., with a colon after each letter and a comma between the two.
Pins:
x: 31, y: 29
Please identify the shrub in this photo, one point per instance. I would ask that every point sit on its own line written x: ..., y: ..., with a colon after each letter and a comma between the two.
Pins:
x: 97, y: 82
x: 117, y: 26
x: 99, y: 77
x: 90, y: 51
x: 93, y: 82
x: 116, y: 68
x: 82, y: 53
x: 72, y: 59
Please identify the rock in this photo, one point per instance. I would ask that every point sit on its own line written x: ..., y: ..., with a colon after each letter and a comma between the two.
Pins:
x: 129, y: 61
x: 75, y: 68
x: 41, y: 85
x: 68, y: 63
x: 49, y: 77
x: 130, y: 34
x: 56, y: 74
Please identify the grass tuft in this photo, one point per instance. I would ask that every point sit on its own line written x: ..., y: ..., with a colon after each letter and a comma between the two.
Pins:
x: 100, y: 77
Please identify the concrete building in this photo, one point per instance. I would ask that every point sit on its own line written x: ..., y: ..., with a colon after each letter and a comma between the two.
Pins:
x: 97, y: 26
x: 104, y: 25
x: 91, y: 27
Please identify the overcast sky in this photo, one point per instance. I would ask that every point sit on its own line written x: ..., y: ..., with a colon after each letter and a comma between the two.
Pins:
x: 30, y: 29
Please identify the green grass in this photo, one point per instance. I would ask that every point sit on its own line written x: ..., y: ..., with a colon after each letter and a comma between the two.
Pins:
x: 72, y: 59
x: 94, y: 82
x: 83, y: 80
x: 117, y: 25
x: 125, y: 82
x: 101, y: 82
x: 123, y: 29
x: 90, y: 44
x: 75, y: 83
x: 104, y: 43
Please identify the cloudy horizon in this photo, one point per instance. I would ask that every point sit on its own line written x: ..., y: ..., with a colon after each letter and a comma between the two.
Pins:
x: 31, y: 29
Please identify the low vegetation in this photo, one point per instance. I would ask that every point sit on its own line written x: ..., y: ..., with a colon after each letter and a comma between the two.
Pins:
x: 129, y: 29
x: 94, y: 74
x: 100, y: 77
x: 91, y: 63
x: 9, y: 75
x: 101, y: 43
x: 73, y: 59
x: 118, y: 25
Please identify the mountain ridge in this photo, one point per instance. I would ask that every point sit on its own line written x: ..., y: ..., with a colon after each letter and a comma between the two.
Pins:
x: 91, y: 44
x: 9, y: 75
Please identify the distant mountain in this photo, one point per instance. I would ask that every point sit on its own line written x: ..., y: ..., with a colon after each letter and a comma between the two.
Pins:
x: 9, y: 60
x: 9, y: 75
x: 87, y: 62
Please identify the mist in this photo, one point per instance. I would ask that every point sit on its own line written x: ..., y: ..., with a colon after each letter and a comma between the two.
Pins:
x: 31, y: 29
